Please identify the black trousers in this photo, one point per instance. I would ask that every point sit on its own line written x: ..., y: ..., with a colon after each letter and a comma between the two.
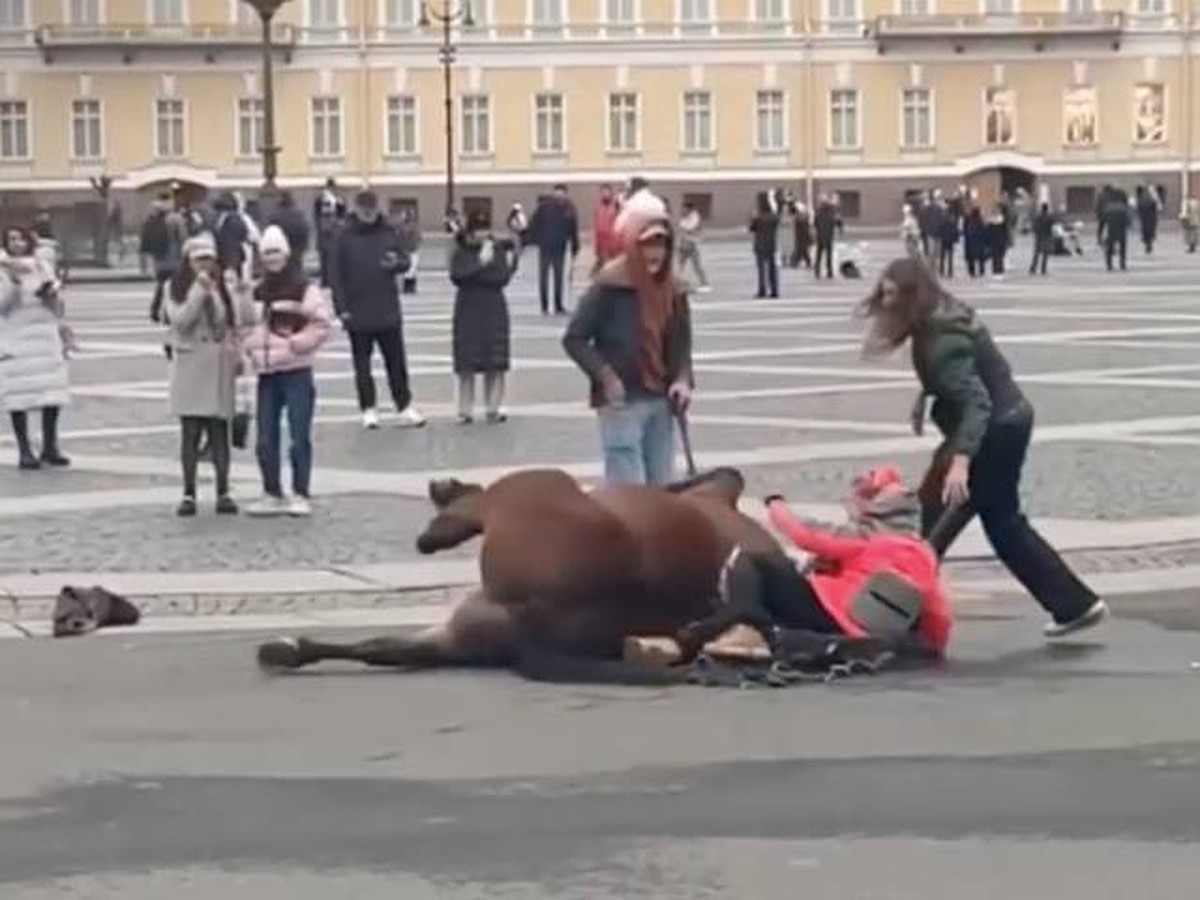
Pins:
x: 161, y: 277
x: 192, y: 429
x: 995, y: 497
x: 551, y: 264
x: 20, y: 426
x: 824, y: 252
x: 767, y: 267
x: 391, y: 347
x: 1116, y: 245
x: 946, y: 259
x: 1041, y: 255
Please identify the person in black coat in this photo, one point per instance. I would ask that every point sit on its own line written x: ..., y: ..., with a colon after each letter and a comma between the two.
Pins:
x: 975, y: 242
x: 1043, y: 238
x: 764, y: 226
x: 481, y: 266
x: 1116, y: 229
x: 947, y: 240
x: 365, y: 264
x: 1147, y: 210
x: 554, y: 229
x: 826, y: 224
x: 293, y: 224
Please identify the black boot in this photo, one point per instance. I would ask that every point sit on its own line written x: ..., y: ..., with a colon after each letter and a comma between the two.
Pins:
x: 51, y: 455
x: 20, y: 426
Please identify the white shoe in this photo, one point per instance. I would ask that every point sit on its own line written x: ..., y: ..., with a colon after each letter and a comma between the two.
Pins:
x: 370, y: 419
x: 268, y: 506
x: 1095, y: 614
x: 299, y: 507
x: 704, y: 289
x: 410, y: 417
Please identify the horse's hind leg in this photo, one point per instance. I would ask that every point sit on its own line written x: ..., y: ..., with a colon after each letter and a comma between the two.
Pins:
x: 478, y: 633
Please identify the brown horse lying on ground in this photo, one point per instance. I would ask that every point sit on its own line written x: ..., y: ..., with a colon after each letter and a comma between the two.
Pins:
x: 566, y: 575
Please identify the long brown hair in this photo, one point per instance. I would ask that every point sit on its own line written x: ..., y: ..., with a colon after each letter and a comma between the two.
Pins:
x: 920, y: 296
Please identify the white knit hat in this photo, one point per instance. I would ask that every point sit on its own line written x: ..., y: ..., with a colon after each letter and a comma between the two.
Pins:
x: 274, y: 241
x: 200, y: 245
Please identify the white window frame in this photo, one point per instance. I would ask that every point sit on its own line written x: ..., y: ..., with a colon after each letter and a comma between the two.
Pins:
x: 339, y: 21
x: 711, y: 146
x: 781, y: 23
x: 184, y: 131
x: 76, y: 156
x: 634, y: 26
x: 931, y: 116
x: 841, y: 24
x: 559, y: 28
x: 1166, y: 101
x: 24, y: 23
x: 489, y: 107
x: 238, y: 151
x: 340, y: 152
x: 857, y: 145
x: 609, y: 148
x: 1093, y: 7
x: 387, y: 25
x: 388, y: 150
x: 185, y: 16
x: 1016, y: 122
x: 101, y: 15
x: 784, y: 120
x: 930, y: 8
x: 707, y: 26
x: 533, y: 138
x: 29, y: 151
x: 1014, y: 10
x: 1095, y: 143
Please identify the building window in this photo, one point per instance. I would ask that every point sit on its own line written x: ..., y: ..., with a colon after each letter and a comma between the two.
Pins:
x: 849, y: 204
x: 620, y: 15
x: 168, y: 129
x: 249, y: 126
x: 166, y: 12
x: 1081, y: 200
x: 917, y: 119
x: 1152, y: 7
x: 622, y: 123
x: 548, y: 124
x: 401, y: 13
x: 841, y: 16
x: 914, y: 7
x: 695, y: 15
x: 402, y: 125
x: 324, y: 13
x: 86, y: 130
x: 999, y: 7
x: 843, y: 119
x: 326, y: 126
x: 476, y: 125
x: 771, y: 13
x: 12, y: 14
x: 14, y: 129
x: 548, y: 15
x: 84, y: 12
x: 246, y: 15
x: 770, y: 128
x: 697, y: 122
x: 1081, y: 7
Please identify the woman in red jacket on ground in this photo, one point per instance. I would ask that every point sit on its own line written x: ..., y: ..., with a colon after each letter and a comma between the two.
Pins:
x: 860, y: 575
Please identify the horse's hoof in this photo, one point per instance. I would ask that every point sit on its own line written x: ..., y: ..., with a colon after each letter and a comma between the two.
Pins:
x: 281, y: 654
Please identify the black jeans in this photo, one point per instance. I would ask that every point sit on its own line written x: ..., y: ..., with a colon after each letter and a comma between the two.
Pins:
x: 391, y: 347
x: 550, y: 262
x: 824, y: 252
x: 946, y: 260
x: 768, y: 274
x: 192, y: 428
x: 1041, y: 255
x: 20, y: 425
x: 995, y: 497
x: 1115, y: 245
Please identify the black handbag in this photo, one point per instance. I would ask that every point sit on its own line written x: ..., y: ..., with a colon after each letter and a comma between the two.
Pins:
x: 239, y: 430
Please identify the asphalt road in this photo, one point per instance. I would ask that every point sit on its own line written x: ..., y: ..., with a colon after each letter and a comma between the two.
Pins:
x: 146, y: 768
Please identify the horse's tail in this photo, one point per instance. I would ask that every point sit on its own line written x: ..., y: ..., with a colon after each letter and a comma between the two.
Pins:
x: 539, y: 664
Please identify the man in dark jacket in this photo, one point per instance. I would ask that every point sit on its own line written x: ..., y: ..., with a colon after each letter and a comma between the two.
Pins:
x: 1043, y: 238
x: 231, y: 234
x: 1116, y: 228
x: 329, y: 211
x: 826, y: 224
x: 554, y: 229
x: 293, y: 224
x: 364, y: 265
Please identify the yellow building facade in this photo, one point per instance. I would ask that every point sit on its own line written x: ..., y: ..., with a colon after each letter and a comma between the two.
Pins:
x: 715, y: 99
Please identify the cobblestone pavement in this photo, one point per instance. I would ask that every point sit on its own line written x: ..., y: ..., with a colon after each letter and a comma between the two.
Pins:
x: 1109, y: 361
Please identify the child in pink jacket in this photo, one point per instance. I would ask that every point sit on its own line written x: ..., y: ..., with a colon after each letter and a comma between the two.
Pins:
x: 294, y: 320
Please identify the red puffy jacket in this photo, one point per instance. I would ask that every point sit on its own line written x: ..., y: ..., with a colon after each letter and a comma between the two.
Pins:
x: 856, y: 559
x: 604, y: 231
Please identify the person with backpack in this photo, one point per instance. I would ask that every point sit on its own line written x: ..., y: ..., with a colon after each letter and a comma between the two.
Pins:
x: 162, y: 243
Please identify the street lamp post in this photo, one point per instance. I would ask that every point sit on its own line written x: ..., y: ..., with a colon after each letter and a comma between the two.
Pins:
x: 446, y: 17
x: 266, y: 10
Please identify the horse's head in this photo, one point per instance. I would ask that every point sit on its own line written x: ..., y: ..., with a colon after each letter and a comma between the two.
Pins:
x: 459, y: 515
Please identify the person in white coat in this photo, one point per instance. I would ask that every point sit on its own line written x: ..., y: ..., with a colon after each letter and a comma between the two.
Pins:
x: 33, y: 363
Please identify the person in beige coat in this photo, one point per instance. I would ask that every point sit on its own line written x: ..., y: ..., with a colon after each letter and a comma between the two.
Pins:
x: 206, y: 315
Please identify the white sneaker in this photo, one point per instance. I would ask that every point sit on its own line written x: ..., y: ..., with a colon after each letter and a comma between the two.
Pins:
x: 299, y: 507
x: 704, y: 289
x: 268, y: 506
x: 370, y: 419
x: 1095, y: 614
x: 410, y: 417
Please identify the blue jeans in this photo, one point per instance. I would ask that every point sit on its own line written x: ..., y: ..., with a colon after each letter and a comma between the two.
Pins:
x: 639, y: 442
x: 295, y: 392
